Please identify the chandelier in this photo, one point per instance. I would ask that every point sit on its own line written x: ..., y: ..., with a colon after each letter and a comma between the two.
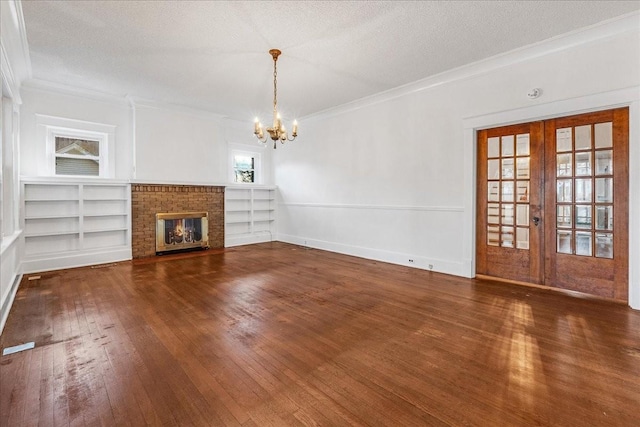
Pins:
x: 277, y: 131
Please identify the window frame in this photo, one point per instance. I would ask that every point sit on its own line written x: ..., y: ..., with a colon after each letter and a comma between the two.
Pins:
x: 52, y: 127
x: 257, y: 166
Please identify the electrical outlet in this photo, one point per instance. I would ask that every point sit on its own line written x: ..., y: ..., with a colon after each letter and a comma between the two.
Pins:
x: 410, y: 260
x: 430, y: 266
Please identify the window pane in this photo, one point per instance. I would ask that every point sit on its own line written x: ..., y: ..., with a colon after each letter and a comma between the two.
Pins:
x: 493, y: 147
x: 522, y: 144
x: 78, y: 147
x: 522, y: 215
x: 583, y: 137
x: 564, y: 242
x: 507, y: 214
x: 583, y: 243
x: 604, y: 135
x: 583, y: 216
x: 507, y: 191
x: 523, y: 191
x: 507, y: 168
x: 522, y: 238
x: 583, y: 164
x: 243, y: 162
x: 73, y: 166
x: 564, y: 190
x: 493, y: 169
x: 494, y: 191
x: 564, y: 216
x: 604, y: 190
x: 583, y: 190
x: 493, y: 235
x: 604, y: 245
x: 563, y: 165
x: 244, y: 176
x: 523, y: 168
x: 507, y: 237
x: 493, y: 213
x: 507, y: 146
x: 604, y: 217
x: 604, y: 162
x: 563, y: 140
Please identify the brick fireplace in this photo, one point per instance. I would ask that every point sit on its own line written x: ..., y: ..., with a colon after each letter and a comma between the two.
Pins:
x: 149, y: 199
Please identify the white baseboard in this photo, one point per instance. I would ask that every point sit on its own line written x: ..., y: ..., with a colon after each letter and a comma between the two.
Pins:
x: 8, y: 302
x: 72, y: 260
x: 249, y: 239
x: 432, y: 264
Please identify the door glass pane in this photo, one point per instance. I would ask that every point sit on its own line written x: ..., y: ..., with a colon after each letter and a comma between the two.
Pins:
x: 564, y: 216
x: 507, y: 214
x: 583, y: 216
x: 507, y: 237
x: 564, y: 242
x: 583, y: 137
x: 507, y: 191
x: 583, y: 164
x: 494, y: 191
x: 522, y: 144
x: 563, y: 140
x: 604, y: 190
x: 583, y: 190
x: 604, y: 135
x: 564, y: 190
x: 604, y: 245
x: 493, y: 147
x: 493, y: 213
x: 522, y: 215
x: 493, y: 235
x: 604, y: 162
x: 522, y: 238
x: 523, y: 168
x: 507, y: 168
x: 583, y: 243
x: 493, y: 169
x: 507, y: 146
x: 563, y: 164
x: 523, y: 191
x: 604, y: 217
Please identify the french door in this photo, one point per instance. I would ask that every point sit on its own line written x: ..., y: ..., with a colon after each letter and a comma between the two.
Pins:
x: 552, y: 203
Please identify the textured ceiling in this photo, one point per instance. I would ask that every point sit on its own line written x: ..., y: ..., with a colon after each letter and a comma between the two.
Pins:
x: 213, y: 55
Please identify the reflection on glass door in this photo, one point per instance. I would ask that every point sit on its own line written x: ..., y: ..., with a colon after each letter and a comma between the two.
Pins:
x: 576, y: 202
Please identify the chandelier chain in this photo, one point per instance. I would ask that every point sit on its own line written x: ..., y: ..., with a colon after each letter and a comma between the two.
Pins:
x: 275, y: 85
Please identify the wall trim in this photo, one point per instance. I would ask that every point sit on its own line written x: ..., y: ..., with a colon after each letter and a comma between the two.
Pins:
x: 379, y: 207
x: 599, y: 31
x: 73, y: 260
x: 398, y: 258
x: 8, y: 78
x: 263, y: 237
x: 628, y: 97
x: 8, y: 303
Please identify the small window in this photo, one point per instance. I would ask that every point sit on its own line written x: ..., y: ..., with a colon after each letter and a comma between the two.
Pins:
x: 244, y: 168
x: 77, y: 156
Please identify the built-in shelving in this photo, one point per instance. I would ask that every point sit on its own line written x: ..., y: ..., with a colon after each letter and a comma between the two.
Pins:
x: 250, y: 215
x: 75, y: 222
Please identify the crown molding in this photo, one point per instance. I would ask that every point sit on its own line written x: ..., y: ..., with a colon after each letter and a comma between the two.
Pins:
x: 24, y: 41
x: 159, y: 105
x: 9, y: 83
x: 600, y: 31
x: 67, y: 90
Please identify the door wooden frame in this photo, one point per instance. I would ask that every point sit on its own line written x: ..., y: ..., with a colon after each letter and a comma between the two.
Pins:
x: 627, y: 97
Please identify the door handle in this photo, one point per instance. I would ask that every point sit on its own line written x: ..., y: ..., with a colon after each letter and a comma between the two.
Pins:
x: 536, y: 220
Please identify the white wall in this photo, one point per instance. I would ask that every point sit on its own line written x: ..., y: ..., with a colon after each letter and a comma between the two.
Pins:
x: 388, y: 177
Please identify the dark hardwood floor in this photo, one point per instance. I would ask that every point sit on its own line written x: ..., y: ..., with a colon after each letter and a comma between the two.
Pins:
x: 276, y: 334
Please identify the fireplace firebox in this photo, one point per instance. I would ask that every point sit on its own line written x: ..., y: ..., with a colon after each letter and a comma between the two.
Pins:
x: 181, y: 231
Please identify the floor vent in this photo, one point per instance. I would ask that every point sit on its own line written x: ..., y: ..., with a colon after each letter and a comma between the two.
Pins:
x: 18, y: 348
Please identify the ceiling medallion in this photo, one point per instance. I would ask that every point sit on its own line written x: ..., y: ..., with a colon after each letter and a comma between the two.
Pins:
x: 277, y: 131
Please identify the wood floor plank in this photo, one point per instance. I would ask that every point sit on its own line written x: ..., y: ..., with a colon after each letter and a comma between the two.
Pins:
x: 276, y: 334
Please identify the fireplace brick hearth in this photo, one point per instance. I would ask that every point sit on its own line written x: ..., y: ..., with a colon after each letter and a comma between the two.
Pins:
x: 149, y: 199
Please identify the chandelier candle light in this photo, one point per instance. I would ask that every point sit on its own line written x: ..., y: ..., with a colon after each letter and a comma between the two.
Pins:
x: 277, y: 131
